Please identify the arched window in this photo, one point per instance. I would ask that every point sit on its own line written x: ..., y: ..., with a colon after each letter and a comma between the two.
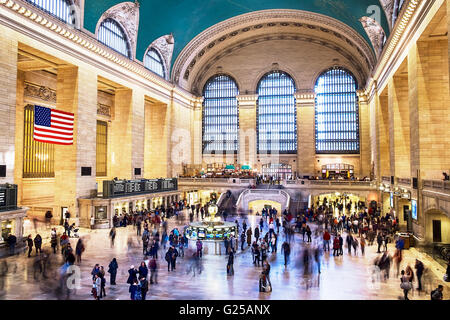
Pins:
x: 154, y: 62
x: 337, y: 115
x: 61, y: 9
x: 112, y: 35
x: 277, y: 116
x: 220, y: 115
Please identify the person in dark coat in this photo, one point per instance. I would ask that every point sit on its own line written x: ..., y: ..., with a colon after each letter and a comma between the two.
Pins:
x: 95, y: 271
x: 256, y: 233
x: 286, y: 249
x: 230, y: 268
x: 113, y: 266
x: 143, y: 285
x: 132, y: 275
x: 79, y: 249
x: 143, y: 270
x: 419, y: 272
x: 38, y: 243
x: 30, y: 245
x: 133, y: 288
x: 341, y: 245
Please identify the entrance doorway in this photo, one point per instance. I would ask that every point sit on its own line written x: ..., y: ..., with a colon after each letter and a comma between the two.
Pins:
x: 437, y: 236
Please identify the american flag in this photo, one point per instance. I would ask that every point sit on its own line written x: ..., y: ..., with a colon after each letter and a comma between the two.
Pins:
x: 53, y: 126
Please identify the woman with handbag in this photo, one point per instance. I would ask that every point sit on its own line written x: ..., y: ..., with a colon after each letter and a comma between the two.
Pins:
x: 405, y: 284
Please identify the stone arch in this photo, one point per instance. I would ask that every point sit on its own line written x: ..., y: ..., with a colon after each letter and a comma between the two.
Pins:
x: 126, y: 14
x: 281, y: 21
x: 164, y: 46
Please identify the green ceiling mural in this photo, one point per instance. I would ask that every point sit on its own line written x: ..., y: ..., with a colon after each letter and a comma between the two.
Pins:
x: 187, y: 18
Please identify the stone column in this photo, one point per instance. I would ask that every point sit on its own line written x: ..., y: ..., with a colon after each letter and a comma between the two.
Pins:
x: 383, y: 135
x: 247, y: 130
x: 8, y: 84
x: 197, y: 139
x: 156, y: 140
x: 374, y: 137
x: 86, y: 130
x: 428, y: 77
x: 399, y: 127
x: 137, y: 132
x: 66, y: 171
x: 121, y: 135
x: 364, y: 135
x: 306, y: 150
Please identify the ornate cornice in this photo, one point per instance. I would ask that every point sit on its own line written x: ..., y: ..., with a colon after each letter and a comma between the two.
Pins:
x: 397, y: 37
x: 232, y: 27
x: 84, y: 41
x: 39, y: 92
x: 247, y: 101
x: 305, y: 97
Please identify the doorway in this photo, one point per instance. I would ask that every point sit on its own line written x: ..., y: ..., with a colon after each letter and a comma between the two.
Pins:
x: 437, y: 236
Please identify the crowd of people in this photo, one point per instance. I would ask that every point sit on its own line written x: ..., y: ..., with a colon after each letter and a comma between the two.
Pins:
x: 320, y: 233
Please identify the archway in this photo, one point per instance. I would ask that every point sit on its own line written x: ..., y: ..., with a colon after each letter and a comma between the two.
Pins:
x: 258, y: 205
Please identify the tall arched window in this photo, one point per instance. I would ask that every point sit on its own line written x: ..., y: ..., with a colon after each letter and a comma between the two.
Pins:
x: 220, y: 115
x: 112, y: 35
x: 337, y: 114
x: 277, y: 116
x: 154, y: 62
x: 61, y: 9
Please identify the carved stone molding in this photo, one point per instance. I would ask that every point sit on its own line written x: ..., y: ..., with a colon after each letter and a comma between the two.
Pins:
x: 201, y: 73
x: 388, y: 7
x: 104, y: 110
x: 39, y: 92
x: 164, y: 45
x: 305, y: 98
x: 247, y: 101
x: 127, y: 15
x: 244, y: 24
x: 375, y: 32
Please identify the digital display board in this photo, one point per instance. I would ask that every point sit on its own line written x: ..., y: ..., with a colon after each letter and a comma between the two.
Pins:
x: 8, y: 197
x: 391, y: 200
x: 2, y: 197
x: 414, y: 209
x: 121, y: 188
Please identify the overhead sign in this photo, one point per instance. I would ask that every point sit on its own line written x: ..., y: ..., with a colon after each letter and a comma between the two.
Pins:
x: 121, y: 188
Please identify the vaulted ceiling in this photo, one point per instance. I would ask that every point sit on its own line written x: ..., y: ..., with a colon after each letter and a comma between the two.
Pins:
x: 185, y: 19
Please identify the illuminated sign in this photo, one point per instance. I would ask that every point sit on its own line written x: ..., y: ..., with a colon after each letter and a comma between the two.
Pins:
x: 414, y: 209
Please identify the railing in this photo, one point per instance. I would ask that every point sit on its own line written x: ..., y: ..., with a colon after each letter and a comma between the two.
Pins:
x: 263, y: 191
x: 404, y: 181
x: 218, y: 180
x: 290, y: 183
x: 436, y: 184
x: 386, y: 179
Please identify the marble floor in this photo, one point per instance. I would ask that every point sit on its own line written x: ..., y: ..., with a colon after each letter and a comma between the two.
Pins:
x: 346, y: 277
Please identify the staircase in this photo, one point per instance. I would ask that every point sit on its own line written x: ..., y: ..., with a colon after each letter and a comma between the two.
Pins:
x: 227, y: 204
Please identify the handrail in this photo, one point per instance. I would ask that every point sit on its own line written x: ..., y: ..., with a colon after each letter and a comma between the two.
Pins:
x: 279, y: 191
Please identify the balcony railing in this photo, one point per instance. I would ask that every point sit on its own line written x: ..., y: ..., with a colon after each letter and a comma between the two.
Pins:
x: 437, y: 184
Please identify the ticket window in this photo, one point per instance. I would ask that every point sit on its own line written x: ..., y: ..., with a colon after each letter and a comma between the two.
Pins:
x: 7, y: 227
x: 101, y: 213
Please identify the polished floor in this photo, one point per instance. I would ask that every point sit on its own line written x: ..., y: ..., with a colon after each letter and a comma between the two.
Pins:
x: 346, y: 277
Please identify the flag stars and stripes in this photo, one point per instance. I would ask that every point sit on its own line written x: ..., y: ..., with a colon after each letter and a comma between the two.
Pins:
x: 53, y: 126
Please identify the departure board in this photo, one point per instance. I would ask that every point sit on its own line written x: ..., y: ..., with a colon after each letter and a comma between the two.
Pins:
x: 120, y: 188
